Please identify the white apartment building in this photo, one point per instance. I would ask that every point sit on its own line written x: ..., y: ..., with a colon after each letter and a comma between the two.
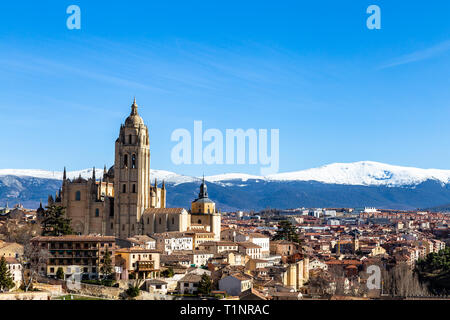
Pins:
x: 259, y: 239
x: 173, y: 241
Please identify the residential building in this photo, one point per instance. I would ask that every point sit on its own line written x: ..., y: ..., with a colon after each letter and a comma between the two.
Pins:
x: 250, y: 249
x: 235, y: 284
x: 142, y: 263
x: 173, y: 241
x: 87, y: 253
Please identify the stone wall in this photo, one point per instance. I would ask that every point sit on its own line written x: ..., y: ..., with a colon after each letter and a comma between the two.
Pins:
x: 96, y: 291
x: 25, y: 296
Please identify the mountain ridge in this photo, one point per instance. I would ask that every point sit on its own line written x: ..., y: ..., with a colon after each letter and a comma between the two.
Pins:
x: 364, y: 173
x: 356, y: 184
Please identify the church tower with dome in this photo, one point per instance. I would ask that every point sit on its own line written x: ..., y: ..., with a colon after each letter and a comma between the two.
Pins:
x: 204, y: 213
x: 131, y: 174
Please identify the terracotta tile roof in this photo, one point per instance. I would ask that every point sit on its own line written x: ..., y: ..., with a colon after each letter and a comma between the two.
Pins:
x: 249, y: 245
x: 258, y: 235
x: 170, y: 234
x: 163, y: 210
x: 11, y: 260
x: 251, y: 291
x: 343, y: 262
x: 241, y: 276
x: 74, y: 238
x: 136, y: 250
x: 219, y: 243
x: 191, y: 277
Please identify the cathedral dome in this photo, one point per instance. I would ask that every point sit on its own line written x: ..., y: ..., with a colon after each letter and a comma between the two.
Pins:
x: 134, y: 119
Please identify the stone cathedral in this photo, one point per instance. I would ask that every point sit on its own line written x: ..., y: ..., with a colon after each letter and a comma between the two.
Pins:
x: 124, y: 203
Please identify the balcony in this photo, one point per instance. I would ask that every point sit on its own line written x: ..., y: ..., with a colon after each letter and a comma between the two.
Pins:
x: 145, y: 266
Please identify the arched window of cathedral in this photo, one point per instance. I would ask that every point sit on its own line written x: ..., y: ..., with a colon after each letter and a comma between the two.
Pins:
x: 124, y: 188
x: 133, y: 161
x: 134, y: 188
x: 112, y: 225
x: 173, y: 220
x: 159, y: 220
x: 199, y: 221
x: 148, y: 220
x: 78, y: 196
x: 125, y: 161
x: 129, y: 139
x: 97, y: 212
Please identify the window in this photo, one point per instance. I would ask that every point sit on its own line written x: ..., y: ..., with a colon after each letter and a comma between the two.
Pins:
x: 112, y: 225
x: 159, y: 220
x: 78, y: 196
x: 125, y: 160
x: 124, y: 188
x: 129, y: 139
x: 97, y: 212
x: 133, y: 161
x: 123, y: 227
x: 134, y: 188
x: 173, y: 220
x: 199, y: 221
x: 148, y: 220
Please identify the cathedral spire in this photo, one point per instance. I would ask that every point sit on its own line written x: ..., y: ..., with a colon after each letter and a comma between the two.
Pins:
x: 134, y: 107
x: 64, y: 174
x: 104, y: 169
x: 203, y: 189
x: 93, y: 174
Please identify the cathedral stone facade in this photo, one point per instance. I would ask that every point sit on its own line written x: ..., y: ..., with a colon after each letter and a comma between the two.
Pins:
x: 123, y: 203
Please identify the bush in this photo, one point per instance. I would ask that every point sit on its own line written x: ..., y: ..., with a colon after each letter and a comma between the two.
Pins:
x: 60, y: 273
x: 168, y: 273
x: 133, y: 292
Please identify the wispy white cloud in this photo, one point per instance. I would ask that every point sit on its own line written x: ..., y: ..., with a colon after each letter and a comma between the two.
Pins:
x: 418, y: 55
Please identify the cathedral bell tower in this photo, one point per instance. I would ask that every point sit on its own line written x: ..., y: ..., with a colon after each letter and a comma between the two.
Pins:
x: 131, y: 175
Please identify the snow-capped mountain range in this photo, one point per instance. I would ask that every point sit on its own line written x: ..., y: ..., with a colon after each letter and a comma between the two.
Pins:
x: 363, y: 173
x: 336, y: 185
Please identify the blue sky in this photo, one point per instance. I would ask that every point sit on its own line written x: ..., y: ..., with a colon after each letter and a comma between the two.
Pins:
x: 337, y: 91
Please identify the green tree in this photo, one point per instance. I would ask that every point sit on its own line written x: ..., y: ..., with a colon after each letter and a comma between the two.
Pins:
x: 107, y: 268
x: 205, y: 284
x: 168, y: 273
x: 286, y: 231
x: 6, y: 281
x: 55, y: 222
x: 60, y: 273
x: 134, y: 289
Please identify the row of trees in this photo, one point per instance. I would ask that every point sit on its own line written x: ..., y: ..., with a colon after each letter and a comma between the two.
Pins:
x: 434, y: 271
x: 397, y: 281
